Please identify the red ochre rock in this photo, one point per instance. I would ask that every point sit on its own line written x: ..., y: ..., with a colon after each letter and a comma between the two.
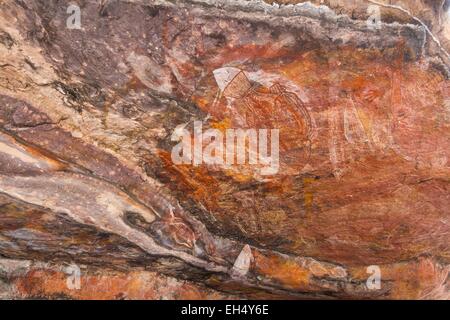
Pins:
x: 354, y: 206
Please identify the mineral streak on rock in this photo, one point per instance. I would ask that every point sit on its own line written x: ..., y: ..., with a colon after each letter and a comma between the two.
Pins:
x: 87, y: 177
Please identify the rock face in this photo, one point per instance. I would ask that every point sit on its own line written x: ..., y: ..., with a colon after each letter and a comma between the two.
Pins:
x: 117, y: 149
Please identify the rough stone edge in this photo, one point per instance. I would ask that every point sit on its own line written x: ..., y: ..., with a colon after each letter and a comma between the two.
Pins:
x: 260, y: 11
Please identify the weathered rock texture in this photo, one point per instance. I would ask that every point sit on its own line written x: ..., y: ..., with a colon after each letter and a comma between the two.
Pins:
x: 87, y: 178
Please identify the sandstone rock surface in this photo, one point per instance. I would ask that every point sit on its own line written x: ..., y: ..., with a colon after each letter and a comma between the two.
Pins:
x: 88, y: 178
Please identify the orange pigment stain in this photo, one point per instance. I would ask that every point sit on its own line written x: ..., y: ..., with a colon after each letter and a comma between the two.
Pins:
x: 286, y: 272
x: 133, y: 285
